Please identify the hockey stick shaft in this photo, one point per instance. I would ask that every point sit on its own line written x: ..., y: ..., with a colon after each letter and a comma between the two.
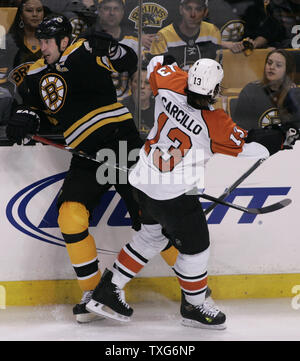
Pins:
x: 235, y: 185
x: 46, y: 141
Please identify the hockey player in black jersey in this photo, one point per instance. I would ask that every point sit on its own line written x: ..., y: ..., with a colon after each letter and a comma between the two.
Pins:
x: 71, y: 87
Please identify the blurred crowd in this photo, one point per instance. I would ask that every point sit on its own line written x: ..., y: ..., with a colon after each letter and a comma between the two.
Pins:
x: 187, y: 29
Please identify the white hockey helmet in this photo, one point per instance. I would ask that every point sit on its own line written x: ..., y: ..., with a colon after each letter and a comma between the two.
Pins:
x: 204, y: 75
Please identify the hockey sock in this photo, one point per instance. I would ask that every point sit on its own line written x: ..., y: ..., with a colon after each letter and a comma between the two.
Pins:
x: 146, y: 244
x: 73, y: 222
x: 191, y: 271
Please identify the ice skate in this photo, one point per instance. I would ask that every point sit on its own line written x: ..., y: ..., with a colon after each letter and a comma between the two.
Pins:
x: 206, y: 315
x: 81, y: 313
x: 108, y: 300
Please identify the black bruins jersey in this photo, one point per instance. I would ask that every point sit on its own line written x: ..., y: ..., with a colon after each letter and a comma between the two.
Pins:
x: 77, y: 94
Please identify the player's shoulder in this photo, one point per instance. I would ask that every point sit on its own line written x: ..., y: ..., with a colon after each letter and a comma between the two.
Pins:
x: 75, y: 48
x: 37, y: 67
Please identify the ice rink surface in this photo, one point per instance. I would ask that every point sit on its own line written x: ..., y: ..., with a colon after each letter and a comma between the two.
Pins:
x: 247, y: 320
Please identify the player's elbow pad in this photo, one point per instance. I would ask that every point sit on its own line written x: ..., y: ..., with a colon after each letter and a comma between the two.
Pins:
x: 272, y: 139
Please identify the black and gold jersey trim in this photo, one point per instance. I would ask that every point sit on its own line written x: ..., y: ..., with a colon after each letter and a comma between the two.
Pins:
x: 94, y: 120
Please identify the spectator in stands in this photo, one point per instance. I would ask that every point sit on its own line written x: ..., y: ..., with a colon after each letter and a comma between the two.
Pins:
x: 190, y: 39
x: 281, y: 26
x: 110, y: 15
x: 262, y: 103
x: 155, y: 15
x: 23, y: 48
x: 146, y: 102
x: 232, y: 28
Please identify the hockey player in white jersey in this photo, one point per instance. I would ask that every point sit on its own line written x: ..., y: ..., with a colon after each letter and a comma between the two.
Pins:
x: 185, y: 124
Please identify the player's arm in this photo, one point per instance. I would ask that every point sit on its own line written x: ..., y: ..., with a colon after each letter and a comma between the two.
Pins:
x: 112, y: 54
x: 164, y: 73
x: 228, y: 138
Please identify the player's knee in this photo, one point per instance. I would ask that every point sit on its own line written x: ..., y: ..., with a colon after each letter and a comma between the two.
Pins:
x: 73, y: 218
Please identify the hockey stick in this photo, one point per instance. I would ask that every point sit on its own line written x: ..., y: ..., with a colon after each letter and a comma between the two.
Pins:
x: 271, y: 208
x: 235, y: 185
x: 43, y: 140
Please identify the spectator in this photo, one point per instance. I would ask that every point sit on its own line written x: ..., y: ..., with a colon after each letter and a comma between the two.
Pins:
x: 146, y: 103
x: 259, y: 102
x: 281, y: 26
x: 190, y: 39
x: 110, y: 15
x: 155, y: 15
x: 232, y: 28
x: 23, y: 46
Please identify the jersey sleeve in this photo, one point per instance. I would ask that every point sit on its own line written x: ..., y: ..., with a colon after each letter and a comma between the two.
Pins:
x: 169, y: 77
x: 226, y: 137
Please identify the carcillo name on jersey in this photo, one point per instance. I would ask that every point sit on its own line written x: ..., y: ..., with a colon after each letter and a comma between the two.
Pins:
x: 181, y: 116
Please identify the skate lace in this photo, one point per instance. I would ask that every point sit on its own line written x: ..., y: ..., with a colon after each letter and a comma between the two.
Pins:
x: 121, y: 297
x: 87, y: 295
x: 208, y: 309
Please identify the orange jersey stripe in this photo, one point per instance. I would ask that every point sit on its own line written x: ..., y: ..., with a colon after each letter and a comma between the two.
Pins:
x: 226, y: 137
x: 129, y: 262
x: 193, y: 286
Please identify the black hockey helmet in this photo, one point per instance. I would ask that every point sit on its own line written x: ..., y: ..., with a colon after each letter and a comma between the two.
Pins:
x: 54, y: 26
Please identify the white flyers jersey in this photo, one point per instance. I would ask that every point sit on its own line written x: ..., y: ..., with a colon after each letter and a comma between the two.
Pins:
x: 183, y: 138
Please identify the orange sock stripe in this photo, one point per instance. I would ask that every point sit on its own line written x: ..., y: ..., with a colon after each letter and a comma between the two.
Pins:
x: 128, y: 262
x: 192, y: 286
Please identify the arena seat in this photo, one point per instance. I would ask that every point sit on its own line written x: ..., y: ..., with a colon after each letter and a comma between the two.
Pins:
x: 7, y: 16
x: 240, y: 69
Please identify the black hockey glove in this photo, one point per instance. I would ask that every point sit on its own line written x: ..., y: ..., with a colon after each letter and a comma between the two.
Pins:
x: 101, y: 42
x: 290, y: 131
x: 23, y: 121
x: 169, y: 59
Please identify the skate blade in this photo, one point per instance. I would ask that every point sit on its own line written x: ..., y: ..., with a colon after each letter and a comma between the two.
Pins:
x: 88, y: 317
x: 103, y: 310
x: 192, y: 323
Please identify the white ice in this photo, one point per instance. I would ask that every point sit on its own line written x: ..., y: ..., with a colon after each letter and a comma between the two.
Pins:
x: 247, y: 320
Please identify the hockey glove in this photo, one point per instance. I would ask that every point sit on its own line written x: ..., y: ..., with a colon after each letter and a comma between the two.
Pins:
x: 290, y: 131
x: 169, y: 59
x: 101, y: 42
x: 23, y: 121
